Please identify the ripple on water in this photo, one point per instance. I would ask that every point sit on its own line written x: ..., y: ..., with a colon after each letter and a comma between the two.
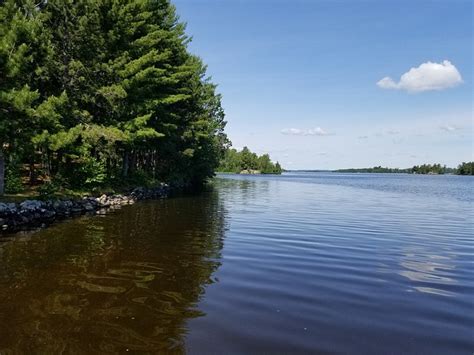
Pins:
x: 294, y: 264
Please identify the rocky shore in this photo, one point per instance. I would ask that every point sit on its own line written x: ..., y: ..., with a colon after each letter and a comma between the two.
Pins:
x: 37, y: 213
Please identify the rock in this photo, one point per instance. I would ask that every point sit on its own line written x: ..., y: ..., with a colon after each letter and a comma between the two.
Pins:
x: 88, y: 207
x: 49, y: 214
x: 103, y: 201
x: 12, y: 207
x: 31, y: 205
x: 3, y: 208
x: 38, y: 213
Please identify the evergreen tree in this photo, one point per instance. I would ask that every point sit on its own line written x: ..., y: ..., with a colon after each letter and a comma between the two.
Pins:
x: 97, y: 91
x: 236, y: 162
x: 466, y: 169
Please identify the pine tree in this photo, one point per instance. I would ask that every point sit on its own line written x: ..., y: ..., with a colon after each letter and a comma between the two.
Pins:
x: 106, y: 88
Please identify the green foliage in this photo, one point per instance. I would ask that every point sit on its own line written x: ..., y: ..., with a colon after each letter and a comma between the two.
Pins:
x: 434, y: 169
x: 13, y: 182
x: 98, y: 89
x: 466, y: 168
x: 87, y: 172
x: 236, y: 162
x: 49, y: 189
x: 375, y: 169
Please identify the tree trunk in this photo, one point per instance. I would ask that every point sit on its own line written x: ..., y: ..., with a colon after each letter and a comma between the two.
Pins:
x: 2, y: 173
x: 133, y: 162
x: 125, y: 165
x: 32, y: 173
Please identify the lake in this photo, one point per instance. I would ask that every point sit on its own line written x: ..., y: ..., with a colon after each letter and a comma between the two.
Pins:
x: 299, y: 263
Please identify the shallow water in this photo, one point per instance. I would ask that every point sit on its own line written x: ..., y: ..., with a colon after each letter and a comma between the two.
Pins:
x: 299, y: 263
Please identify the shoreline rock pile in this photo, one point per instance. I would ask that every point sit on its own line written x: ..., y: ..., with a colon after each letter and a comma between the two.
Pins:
x: 36, y: 213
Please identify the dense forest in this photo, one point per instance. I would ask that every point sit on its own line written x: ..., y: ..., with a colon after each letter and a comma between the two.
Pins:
x: 375, y: 169
x: 96, y: 92
x: 434, y: 169
x: 247, y: 162
x: 466, y: 168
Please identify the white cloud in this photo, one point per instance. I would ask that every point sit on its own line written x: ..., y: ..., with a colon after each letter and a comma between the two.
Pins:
x: 292, y: 131
x: 363, y: 137
x: 318, y: 131
x: 428, y: 76
x: 449, y: 128
x: 393, y: 132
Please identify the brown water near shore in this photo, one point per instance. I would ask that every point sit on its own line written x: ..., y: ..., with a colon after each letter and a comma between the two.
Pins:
x: 125, y: 281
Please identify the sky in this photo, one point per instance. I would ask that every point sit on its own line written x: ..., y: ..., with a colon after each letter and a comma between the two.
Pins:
x: 321, y: 84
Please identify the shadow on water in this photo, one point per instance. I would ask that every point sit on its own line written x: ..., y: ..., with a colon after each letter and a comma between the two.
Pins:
x: 126, y: 281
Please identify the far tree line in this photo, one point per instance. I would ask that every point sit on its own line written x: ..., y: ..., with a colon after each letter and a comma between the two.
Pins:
x: 246, y: 161
x: 425, y: 169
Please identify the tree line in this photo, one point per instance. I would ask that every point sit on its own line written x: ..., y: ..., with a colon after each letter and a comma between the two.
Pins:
x: 436, y: 169
x: 100, y: 91
x: 465, y: 168
x: 375, y: 169
x: 247, y: 161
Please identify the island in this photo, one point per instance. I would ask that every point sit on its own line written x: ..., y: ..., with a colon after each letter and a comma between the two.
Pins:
x: 424, y: 169
x: 247, y: 162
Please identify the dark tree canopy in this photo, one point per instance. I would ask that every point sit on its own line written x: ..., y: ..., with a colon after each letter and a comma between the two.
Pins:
x: 93, y: 91
x: 466, y: 168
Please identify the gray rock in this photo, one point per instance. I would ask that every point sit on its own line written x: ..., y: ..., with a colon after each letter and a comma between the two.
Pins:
x: 88, y: 207
x: 12, y: 207
x: 34, y: 212
x: 31, y: 205
x: 3, y: 208
x: 49, y: 214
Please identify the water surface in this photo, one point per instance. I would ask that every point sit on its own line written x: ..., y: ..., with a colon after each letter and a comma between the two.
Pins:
x: 299, y: 263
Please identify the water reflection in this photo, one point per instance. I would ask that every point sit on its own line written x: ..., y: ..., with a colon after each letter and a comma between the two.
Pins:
x: 127, y: 281
x: 430, y: 273
x: 247, y: 190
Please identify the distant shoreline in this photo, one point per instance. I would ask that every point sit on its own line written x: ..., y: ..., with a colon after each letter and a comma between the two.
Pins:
x: 425, y: 169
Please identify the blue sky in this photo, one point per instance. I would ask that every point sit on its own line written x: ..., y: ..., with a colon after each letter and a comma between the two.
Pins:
x: 300, y: 79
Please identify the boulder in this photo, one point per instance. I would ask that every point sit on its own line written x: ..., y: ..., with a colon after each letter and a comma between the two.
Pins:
x: 31, y: 205
x: 49, y: 214
x: 88, y: 207
x: 3, y: 208
x: 12, y: 207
